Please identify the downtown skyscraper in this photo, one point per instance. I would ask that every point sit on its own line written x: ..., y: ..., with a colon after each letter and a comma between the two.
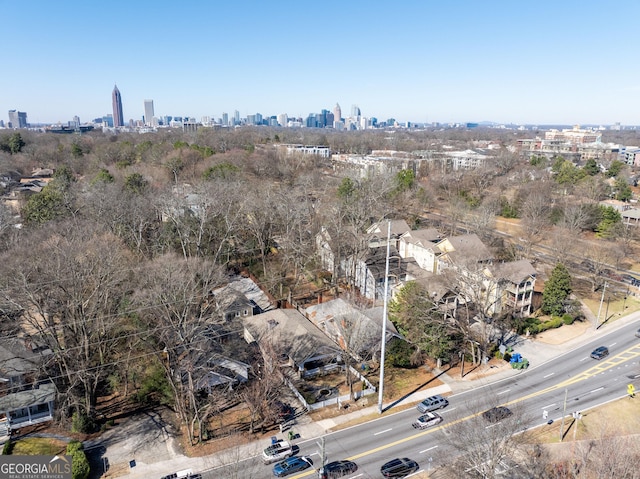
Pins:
x: 148, y: 113
x: 116, y: 101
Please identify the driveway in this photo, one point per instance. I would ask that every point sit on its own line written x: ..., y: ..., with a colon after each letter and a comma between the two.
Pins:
x: 144, y: 438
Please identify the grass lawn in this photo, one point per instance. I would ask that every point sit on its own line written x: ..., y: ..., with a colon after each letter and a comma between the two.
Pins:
x: 34, y: 446
x: 617, y: 418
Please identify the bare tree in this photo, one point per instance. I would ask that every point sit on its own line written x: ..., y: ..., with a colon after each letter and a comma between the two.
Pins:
x: 70, y: 300
x: 599, y: 256
x: 535, y: 213
x: 231, y: 463
x: 173, y: 299
x: 132, y: 217
x: 203, y: 220
x: 485, y: 449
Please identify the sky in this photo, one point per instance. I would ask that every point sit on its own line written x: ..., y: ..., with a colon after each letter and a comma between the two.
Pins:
x: 512, y: 61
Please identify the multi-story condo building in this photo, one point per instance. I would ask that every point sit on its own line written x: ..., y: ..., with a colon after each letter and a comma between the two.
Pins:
x: 574, y: 136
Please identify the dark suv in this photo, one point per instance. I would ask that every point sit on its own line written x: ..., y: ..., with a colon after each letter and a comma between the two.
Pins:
x: 400, y: 467
x: 600, y: 352
x: 337, y: 469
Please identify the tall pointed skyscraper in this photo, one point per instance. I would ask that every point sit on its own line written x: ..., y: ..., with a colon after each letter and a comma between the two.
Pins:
x: 116, y: 101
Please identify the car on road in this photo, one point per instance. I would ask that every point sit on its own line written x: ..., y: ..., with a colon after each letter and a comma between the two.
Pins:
x: 276, y: 452
x: 638, y: 333
x: 432, y: 403
x: 497, y: 414
x: 336, y: 469
x: 599, y: 353
x: 427, y: 420
x: 399, y: 467
x: 291, y: 465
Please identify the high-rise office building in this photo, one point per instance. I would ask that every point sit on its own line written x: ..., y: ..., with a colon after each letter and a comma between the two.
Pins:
x: 355, y: 111
x: 116, y: 102
x: 17, y: 119
x: 225, y: 119
x: 236, y: 117
x: 148, y: 112
x: 337, y: 112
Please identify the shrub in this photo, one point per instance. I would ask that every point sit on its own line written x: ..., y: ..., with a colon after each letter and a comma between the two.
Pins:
x: 399, y: 354
x: 79, y: 463
x: 7, y: 449
x: 554, y: 322
x: 568, y: 319
x: 507, y: 357
x: 80, y: 422
x: 525, y: 324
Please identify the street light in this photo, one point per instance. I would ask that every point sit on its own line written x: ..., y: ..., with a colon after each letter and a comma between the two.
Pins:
x: 384, y: 319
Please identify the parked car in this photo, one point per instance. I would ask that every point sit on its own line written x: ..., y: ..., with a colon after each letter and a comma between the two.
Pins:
x: 399, y: 467
x: 599, y: 353
x: 291, y: 465
x: 336, y: 469
x: 497, y: 414
x: 277, y: 452
x: 427, y: 420
x: 432, y: 403
x: 184, y: 474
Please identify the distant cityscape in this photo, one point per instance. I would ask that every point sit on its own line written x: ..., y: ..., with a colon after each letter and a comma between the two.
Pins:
x: 149, y: 122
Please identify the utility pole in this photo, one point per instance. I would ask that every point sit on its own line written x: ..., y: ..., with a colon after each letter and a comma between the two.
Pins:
x: 321, y: 445
x: 604, y: 288
x: 384, y: 319
x: 564, y: 411
x: 576, y: 417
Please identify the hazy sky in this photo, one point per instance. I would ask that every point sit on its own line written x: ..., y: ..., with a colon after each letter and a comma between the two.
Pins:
x: 512, y: 61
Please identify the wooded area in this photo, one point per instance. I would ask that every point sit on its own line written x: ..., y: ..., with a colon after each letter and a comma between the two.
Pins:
x: 111, y: 264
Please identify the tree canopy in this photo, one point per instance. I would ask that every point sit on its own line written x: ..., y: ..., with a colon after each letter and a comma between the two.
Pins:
x: 556, y: 290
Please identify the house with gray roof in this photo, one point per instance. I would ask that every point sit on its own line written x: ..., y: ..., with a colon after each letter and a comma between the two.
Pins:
x: 358, y: 331
x: 292, y: 338
x: 24, y: 400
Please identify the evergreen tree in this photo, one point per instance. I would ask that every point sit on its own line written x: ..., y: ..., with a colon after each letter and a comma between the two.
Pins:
x: 556, y: 290
x: 591, y: 167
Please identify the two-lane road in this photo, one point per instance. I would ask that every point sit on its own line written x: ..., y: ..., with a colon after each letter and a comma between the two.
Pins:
x: 572, y: 382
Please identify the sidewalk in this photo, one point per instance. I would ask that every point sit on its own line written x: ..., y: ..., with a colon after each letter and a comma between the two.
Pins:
x: 545, y: 347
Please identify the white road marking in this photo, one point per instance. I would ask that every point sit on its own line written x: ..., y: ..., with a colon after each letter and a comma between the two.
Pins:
x: 433, y: 447
x: 549, y: 406
x: 548, y: 376
x: 382, y: 432
x: 504, y: 392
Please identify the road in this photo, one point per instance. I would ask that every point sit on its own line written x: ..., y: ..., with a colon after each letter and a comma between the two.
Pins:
x: 573, y: 382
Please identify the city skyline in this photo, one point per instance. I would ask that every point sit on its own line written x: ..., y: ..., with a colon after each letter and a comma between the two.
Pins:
x: 450, y: 62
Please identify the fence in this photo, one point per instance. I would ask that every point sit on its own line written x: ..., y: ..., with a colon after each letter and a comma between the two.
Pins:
x: 321, y: 371
x: 370, y: 389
